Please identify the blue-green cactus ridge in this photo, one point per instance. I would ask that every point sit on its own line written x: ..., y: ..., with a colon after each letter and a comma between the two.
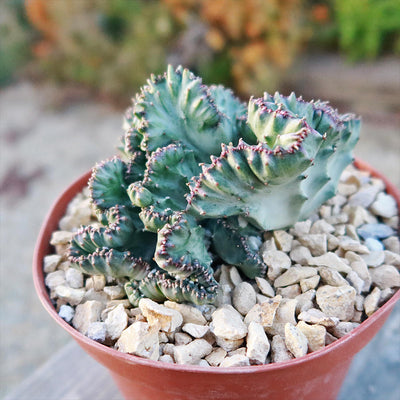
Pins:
x: 167, y: 167
x: 238, y: 246
x: 182, y: 251
x: 201, y: 177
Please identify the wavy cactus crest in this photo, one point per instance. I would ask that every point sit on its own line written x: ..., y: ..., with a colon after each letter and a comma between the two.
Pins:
x: 203, y: 179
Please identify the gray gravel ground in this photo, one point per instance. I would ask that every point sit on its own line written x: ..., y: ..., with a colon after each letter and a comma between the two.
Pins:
x: 375, y: 371
x: 45, y: 144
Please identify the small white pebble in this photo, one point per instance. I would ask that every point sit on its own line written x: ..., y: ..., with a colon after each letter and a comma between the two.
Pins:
x: 235, y: 361
x: 235, y: 276
x: 244, y: 297
x: 74, y: 278
x: 97, y: 331
x: 196, y: 331
x: 66, y: 313
x: 265, y: 287
x: 51, y: 262
x: 166, y: 358
x: 295, y: 341
x: 371, y: 301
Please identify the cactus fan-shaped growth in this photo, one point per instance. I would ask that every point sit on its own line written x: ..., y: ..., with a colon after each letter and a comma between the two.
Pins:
x: 201, y: 180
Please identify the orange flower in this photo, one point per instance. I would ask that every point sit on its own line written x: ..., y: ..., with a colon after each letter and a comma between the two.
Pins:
x: 43, y: 48
x: 215, y: 39
x: 320, y: 13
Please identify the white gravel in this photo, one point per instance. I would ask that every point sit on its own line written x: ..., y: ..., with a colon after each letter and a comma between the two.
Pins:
x: 322, y: 280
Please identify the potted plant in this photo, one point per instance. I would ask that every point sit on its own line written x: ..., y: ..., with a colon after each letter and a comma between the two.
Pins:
x: 205, y: 181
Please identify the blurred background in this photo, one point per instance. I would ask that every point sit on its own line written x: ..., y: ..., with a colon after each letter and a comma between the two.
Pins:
x: 68, y: 69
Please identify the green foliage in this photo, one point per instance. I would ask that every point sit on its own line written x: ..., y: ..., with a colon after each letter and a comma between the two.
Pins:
x: 203, y: 174
x: 107, y: 45
x: 366, y: 27
x: 15, y: 40
x: 110, y: 45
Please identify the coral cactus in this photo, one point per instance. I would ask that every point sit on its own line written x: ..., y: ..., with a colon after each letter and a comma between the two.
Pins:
x: 202, y: 180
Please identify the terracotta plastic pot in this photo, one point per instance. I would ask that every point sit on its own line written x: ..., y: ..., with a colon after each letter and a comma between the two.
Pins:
x: 318, y: 375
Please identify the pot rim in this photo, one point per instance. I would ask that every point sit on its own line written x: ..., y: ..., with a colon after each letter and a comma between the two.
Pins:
x: 41, y: 290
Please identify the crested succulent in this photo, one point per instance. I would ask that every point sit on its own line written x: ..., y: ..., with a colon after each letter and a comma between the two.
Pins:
x: 201, y: 180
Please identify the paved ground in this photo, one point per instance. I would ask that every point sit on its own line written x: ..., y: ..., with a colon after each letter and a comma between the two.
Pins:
x: 43, y: 149
x: 45, y: 144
